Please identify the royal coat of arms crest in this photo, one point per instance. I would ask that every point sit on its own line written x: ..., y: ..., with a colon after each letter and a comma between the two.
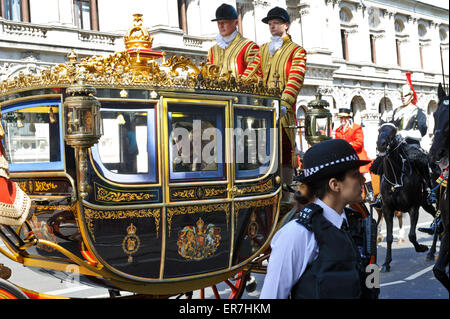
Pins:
x: 198, y: 242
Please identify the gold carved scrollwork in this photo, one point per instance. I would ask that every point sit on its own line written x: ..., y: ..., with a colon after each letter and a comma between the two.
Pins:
x: 253, y: 204
x: 265, y: 187
x: 44, y: 186
x: 116, y: 196
x: 186, y: 193
x: 91, y: 215
x: 182, y: 210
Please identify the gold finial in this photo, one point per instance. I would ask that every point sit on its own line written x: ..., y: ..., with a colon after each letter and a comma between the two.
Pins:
x: 72, y: 57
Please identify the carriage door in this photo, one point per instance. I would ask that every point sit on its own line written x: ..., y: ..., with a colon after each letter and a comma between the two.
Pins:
x: 256, y: 177
x: 197, y: 178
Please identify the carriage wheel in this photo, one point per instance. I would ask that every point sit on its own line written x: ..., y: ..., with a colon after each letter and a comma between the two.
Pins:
x: 9, y: 291
x: 237, y: 285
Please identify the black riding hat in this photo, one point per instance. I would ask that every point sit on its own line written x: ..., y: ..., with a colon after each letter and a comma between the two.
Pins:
x: 327, y: 159
x: 344, y: 112
x: 277, y: 13
x: 225, y: 11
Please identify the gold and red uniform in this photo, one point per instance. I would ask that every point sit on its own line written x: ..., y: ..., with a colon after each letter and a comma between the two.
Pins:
x: 239, y: 57
x: 355, y: 136
x: 14, y: 203
x: 286, y: 68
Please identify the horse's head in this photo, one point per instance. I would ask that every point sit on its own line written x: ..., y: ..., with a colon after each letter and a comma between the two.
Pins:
x: 439, y: 148
x: 386, y: 138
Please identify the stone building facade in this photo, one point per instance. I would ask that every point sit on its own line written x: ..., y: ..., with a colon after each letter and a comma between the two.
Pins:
x: 358, y: 50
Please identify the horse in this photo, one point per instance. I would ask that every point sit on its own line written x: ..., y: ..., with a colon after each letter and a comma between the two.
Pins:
x: 399, y: 189
x: 440, y: 153
x: 376, y: 191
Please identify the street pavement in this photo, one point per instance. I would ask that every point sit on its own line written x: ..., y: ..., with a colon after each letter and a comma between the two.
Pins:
x: 411, y: 276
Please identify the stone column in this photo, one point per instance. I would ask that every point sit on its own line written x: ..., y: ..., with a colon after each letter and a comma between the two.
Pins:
x: 193, y: 17
x: 334, y: 28
x: 25, y: 7
x: 94, y: 14
x: 248, y: 21
x: 410, y: 55
x: 388, y: 53
x: 295, y: 29
x: 433, y: 62
x: 360, y: 48
x: 262, y: 33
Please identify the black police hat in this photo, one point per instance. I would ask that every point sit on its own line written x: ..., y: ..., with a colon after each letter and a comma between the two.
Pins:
x: 327, y: 159
x: 277, y: 13
x: 225, y: 11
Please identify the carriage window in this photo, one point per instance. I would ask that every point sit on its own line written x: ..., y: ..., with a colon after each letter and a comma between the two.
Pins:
x: 33, y: 137
x: 196, y: 139
x: 252, y: 143
x: 126, y: 152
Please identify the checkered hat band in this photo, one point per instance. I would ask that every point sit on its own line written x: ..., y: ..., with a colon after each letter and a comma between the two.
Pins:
x: 313, y: 170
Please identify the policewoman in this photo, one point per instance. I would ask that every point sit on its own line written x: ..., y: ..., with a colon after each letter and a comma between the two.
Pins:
x: 232, y: 52
x: 320, y: 254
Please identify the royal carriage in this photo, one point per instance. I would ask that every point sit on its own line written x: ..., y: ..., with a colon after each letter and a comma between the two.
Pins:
x: 147, y: 174
x: 139, y: 176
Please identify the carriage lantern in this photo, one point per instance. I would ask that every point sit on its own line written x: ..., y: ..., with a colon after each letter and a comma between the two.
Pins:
x: 83, y: 126
x: 82, y: 110
x: 318, y: 121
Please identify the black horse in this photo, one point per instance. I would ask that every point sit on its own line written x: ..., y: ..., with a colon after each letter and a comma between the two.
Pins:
x: 440, y: 153
x: 399, y: 187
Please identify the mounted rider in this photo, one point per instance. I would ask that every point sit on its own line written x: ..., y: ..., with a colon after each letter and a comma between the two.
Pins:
x: 411, y: 123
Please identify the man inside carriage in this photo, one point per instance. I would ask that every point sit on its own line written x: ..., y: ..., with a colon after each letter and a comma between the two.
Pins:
x: 411, y: 124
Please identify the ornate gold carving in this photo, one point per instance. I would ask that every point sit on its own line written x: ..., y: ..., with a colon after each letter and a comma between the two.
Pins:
x: 136, y: 67
x: 265, y: 187
x: 258, y: 203
x: 253, y: 204
x: 44, y: 186
x: 36, y: 186
x: 131, y: 243
x: 211, y: 192
x: 196, y: 193
x: 182, y: 210
x: 106, y: 195
x: 92, y: 215
x: 186, y: 193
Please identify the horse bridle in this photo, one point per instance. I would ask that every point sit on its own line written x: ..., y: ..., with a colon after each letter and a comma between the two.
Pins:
x: 386, y: 154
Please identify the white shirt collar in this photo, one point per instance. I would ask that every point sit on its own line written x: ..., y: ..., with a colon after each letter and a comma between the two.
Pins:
x: 275, y: 43
x: 331, y: 215
x: 224, y: 42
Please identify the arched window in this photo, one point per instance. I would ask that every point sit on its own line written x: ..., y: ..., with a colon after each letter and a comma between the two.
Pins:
x: 385, y: 109
x: 374, y: 18
x: 422, y: 30
x: 345, y: 14
x: 399, y: 26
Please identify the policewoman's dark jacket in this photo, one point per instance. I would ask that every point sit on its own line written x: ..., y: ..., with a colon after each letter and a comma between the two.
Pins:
x: 339, y: 270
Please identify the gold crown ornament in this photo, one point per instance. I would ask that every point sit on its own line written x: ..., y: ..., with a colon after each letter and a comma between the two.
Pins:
x: 138, y: 44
